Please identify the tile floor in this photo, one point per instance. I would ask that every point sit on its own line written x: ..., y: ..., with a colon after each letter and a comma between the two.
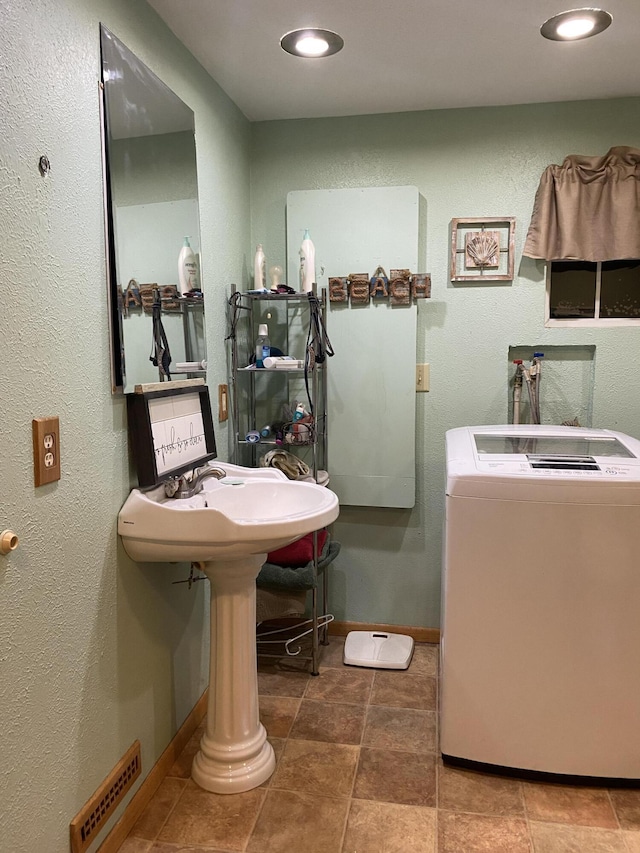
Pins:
x: 358, y: 772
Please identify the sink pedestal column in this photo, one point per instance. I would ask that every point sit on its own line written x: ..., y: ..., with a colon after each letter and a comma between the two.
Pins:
x: 235, y: 754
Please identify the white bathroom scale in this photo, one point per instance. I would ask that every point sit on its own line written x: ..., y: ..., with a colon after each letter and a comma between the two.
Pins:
x: 378, y: 649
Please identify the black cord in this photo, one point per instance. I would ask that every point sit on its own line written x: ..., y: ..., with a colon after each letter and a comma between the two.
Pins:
x: 318, y: 337
x: 234, y: 314
x: 318, y: 347
x: 160, y: 353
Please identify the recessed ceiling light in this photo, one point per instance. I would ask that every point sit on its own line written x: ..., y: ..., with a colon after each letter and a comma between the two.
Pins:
x: 576, y: 24
x: 311, y: 43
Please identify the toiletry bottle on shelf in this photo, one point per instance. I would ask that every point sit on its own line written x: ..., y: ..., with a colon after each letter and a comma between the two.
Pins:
x: 263, y: 345
x: 187, y: 269
x: 259, y: 263
x: 275, y: 276
x: 307, y: 263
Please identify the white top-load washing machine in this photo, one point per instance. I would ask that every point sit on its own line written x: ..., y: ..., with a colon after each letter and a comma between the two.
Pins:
x: 541, y: 601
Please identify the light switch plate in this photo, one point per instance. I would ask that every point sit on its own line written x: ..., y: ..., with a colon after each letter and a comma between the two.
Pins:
x: 46, y: 450
x: 223, y: 403
x: 422, y: 377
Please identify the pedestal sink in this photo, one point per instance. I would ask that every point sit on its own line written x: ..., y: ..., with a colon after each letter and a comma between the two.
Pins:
x: 228, y: 528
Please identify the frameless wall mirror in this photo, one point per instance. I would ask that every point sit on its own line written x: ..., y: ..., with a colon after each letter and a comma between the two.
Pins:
x: 372, y: 441
x: 151, y: 214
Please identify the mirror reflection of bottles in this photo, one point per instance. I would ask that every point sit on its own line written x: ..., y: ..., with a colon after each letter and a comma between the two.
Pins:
x: 188, y: 278
x: 259, y: 264
x: 307, y: 263
x: 275, y: 276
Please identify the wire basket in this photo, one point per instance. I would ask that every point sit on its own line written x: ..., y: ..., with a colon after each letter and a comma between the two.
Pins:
x: 300, y: 433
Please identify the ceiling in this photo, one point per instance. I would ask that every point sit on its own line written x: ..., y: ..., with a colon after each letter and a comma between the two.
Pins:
x: 404, y: 55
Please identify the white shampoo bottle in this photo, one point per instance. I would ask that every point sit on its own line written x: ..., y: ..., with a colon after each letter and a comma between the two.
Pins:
x: 307, y: 263
x: 187, y: 269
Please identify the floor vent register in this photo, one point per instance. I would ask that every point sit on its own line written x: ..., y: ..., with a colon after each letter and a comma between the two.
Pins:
x: 93, y: 815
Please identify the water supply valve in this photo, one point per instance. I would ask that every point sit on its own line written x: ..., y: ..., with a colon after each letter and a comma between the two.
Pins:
x: 192, y: 577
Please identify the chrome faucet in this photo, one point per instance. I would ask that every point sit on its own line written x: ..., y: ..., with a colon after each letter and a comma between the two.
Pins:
x: 187, y: 486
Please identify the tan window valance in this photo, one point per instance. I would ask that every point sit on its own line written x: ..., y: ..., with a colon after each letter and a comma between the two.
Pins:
x: 588, y: 209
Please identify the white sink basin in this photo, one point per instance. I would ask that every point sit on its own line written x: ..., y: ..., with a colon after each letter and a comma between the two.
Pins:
x: 233, y: 517
x: 228, y: 528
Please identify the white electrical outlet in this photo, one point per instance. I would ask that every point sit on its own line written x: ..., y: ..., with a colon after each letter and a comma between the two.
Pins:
x: 46, y: 450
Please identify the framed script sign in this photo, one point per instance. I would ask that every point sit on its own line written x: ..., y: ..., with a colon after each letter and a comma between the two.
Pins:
x: 171, y: 431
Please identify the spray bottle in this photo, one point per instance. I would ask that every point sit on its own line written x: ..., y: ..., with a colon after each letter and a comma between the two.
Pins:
x: 263, y: 345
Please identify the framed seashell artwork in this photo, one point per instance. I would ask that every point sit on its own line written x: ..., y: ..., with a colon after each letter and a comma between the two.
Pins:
x: 482, y: 249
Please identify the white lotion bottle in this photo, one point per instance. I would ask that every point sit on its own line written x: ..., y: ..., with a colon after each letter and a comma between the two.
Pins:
x: 307, y: 263
x: 187, y: 269
x: 259, y: 264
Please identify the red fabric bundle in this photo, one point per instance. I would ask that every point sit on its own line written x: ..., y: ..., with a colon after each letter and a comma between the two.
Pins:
x: 298, y: 553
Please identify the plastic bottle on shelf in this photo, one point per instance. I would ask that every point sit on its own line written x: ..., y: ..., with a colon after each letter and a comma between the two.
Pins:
x: 307, y: 263
x: 275, y: 276
x: 263, y: 345
x: 259, y: 264
x: 283, y: 362
x: 190, y: 366
x: 187, y: 269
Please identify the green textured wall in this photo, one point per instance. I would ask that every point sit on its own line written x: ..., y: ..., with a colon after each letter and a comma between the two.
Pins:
x: 466, y: 163
x: 95, y: 651
x: 151, y: 169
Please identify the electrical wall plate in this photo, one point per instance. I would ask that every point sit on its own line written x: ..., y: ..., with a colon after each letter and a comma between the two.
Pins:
x: 422, y: 377
x: 46, y: 450
x: 223, y: 403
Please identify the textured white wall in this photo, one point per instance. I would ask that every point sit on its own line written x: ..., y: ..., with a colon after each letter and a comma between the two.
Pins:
x: 466, y: 163
x: 95, y: 650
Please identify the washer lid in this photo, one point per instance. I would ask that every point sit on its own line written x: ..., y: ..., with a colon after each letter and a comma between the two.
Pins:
x: 550, y: 447
x: 554, y: 463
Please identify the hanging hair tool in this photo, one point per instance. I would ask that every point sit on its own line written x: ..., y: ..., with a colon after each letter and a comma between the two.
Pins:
x: 160, y: 353
x: 317, y: 339
x: 318, y: 347
x: 233, y: 313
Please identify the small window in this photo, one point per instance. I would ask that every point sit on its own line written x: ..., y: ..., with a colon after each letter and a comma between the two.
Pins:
x: 593, y: 294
